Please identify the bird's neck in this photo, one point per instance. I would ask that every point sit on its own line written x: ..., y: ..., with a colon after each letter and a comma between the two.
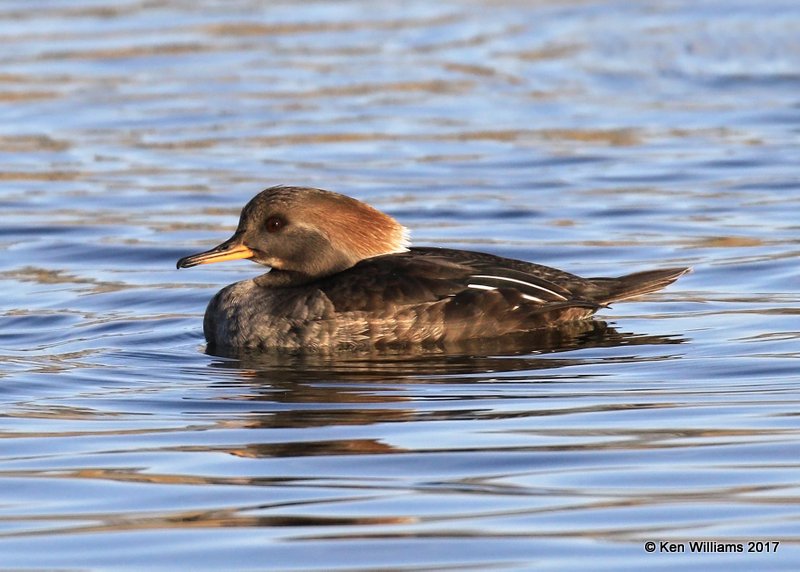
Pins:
x: 284, y: 279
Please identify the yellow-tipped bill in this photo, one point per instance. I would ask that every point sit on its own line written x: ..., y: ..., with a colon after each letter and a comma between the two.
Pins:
x: 226, y: 251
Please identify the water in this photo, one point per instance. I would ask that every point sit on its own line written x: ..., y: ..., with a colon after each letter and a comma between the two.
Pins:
x: 598, y: 137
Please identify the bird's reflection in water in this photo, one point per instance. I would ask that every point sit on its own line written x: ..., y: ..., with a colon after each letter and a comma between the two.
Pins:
x: 316, y: 390
x: 522, y: 352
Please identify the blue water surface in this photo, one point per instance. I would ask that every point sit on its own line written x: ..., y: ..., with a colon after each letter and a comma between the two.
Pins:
x: 599, y: 137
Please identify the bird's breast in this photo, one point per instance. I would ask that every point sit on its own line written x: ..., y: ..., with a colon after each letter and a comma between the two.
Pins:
x: 245, y: 315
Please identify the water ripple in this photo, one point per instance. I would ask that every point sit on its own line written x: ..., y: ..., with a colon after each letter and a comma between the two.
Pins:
x: 597, y: 137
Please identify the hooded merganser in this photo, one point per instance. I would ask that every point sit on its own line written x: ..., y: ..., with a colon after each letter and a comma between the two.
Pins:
x: 343, y: 276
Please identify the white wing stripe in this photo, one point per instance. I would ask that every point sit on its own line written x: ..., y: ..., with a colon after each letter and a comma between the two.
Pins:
x: 481, y: 287
x: 526, y: 296
x: 533, y: 298
x: 542, y: 288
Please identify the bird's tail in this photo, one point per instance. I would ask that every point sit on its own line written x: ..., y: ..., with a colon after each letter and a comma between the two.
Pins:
x: 636, y: 284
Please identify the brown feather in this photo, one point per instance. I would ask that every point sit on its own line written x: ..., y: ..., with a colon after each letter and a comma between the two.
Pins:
x: 636, y: 284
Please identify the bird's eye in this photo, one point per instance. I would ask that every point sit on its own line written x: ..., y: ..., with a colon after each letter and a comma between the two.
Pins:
x: 275, y: 223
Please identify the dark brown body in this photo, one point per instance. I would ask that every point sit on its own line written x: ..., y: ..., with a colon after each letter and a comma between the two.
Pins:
x: 423, y: 297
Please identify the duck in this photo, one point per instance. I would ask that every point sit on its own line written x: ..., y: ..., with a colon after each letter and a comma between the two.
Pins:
x: 343, y: 275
